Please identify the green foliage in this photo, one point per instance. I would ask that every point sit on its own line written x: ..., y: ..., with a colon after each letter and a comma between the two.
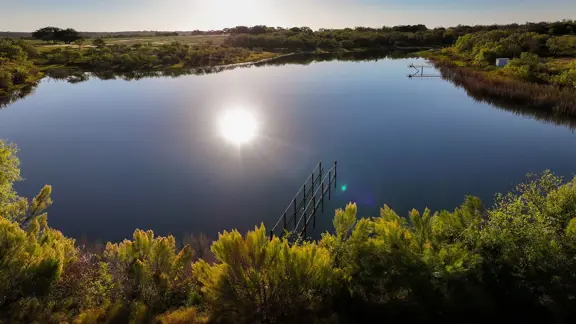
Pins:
x: 514, y: 38
x: 141, y: 57
x: 9, y: 173
x: 568, y: 76
x: 260, y: 280
x: 517, y: 258
x: 527, y: 81
x: 31, y: 261
x: 99, y: 42
x: 562, y: 46
x: 55, y: 34
x: 151, y: 270
x: 485, y: 47
x: 67, y: 35
x: 5, y: 80
x: 304, y: 39
x: 344, y: 220
x: 525, y: 67
x: 13, y: 207
x: 180, y: 316
x: 46, y: 34
x: 15, y: 67
x: 465, y: 43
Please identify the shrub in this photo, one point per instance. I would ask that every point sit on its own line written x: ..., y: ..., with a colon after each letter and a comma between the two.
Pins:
x: 5, y: 79
x: 261, y: 280
x: 20, y: 76
x: 32, y: 261
x: 151, y: 271
x: 99, y: 43
x: 180, y: 316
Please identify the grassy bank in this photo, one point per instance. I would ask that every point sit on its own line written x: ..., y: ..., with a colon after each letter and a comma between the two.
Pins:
x: 498, y: 88
x: 23, y: 63
x: 541, y: 74
x: 137, y: 59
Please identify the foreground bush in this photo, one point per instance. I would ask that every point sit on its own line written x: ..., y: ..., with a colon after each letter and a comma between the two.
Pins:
x: 516, y: 259
x: 261, y: 280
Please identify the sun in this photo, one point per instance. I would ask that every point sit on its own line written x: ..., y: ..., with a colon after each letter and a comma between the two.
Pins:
x: 238, y: 126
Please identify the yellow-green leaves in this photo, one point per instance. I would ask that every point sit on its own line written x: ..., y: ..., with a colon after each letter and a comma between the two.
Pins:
x: 571, y: 229
x: 258, y: 278
x: 9, y: 170
x: 10, y: 205
x: 345, y: 219
x: 30, y: 263
x: 153, y: 269
x: 422, y: 225
x: 41, y: 201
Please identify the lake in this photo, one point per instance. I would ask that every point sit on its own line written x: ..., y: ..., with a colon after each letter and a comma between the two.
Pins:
x: 213, y: 152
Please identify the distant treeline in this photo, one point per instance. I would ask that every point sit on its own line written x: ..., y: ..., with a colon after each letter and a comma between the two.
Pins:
x: 121, y: 34
x: 553, y: 28
x: 271, y: 38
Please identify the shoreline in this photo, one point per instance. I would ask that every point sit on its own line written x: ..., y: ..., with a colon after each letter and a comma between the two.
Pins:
x: 78, y: 73
x: 65, y: 71
x: 503, y: 90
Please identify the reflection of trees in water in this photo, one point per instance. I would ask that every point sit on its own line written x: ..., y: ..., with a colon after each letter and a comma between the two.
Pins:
x: 16, y: 95
x: 77, y: 76
x: 483, y: 94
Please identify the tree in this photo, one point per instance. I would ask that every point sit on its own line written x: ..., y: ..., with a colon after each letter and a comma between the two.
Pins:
x: 67, y: 35
x: 99, y: 42
x: 79, y: 42
x: 567, y: 77
x: 33, y: 255
x: 562, y: 46
x: 524, y: 67
x: 47, y: 34
x: 31, y: 260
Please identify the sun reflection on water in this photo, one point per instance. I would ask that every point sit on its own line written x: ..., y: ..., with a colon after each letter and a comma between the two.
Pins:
x: 238, y: 126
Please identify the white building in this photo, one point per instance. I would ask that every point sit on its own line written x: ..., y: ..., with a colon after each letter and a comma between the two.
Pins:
x: 502, y: 62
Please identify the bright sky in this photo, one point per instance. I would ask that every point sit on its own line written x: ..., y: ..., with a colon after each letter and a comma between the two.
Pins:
x: 122, y: 15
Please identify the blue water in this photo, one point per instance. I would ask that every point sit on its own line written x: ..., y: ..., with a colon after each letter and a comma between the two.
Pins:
x: 148, y: 154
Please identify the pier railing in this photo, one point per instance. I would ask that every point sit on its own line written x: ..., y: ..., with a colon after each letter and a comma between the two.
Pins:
x: 420, y: 71
x: 300, y: 215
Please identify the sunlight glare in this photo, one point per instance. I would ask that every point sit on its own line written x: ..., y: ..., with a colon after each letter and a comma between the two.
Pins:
x: 238, y: 126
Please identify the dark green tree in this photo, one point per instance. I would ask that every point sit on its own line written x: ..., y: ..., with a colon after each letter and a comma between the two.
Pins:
x: 99, y: 42
x: 47, y: 34
x: 67, y: 35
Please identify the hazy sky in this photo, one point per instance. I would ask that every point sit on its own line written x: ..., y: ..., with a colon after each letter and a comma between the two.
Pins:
x: 118, y: 15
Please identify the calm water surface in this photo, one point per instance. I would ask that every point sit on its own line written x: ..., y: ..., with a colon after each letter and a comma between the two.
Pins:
x: 158, y: 154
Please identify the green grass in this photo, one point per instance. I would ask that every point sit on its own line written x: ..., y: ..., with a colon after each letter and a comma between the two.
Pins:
x: 154, y: 40
x: 215, y: 39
